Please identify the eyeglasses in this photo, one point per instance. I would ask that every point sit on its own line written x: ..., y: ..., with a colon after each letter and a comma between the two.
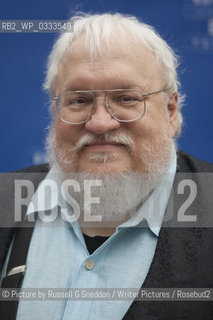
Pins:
x: 124, y: 105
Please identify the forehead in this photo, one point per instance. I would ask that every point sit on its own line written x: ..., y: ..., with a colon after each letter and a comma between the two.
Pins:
x: 118, y: 67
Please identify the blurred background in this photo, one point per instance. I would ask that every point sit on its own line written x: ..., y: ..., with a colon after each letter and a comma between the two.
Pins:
x: 187, y: 25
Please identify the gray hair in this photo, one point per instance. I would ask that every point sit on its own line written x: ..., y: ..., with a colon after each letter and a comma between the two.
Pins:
x: 107, y: 32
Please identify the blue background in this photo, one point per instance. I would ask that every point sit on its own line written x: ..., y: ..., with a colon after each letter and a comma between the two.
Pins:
x: 187, y: 25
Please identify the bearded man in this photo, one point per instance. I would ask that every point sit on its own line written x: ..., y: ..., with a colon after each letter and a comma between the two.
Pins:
x: 106, y: 212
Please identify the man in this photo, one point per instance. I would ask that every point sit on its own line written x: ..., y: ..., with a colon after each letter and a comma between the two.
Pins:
x: 112, y: 183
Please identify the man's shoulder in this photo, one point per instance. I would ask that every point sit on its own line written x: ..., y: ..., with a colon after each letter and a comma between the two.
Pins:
x: 30, y: 171
x: 33, y: 174
x: 17, y: 185
x: 188, y: 163
x: 43, y: 168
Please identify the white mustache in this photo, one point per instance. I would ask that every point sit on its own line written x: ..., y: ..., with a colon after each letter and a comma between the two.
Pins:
x: 109, y: 137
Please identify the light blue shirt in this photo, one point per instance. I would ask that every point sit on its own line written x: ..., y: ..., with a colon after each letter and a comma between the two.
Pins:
x: 58, y: 255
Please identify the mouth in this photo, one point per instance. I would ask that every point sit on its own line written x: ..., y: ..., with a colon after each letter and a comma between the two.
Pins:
x: 104, y: 143
x: 98, y: 146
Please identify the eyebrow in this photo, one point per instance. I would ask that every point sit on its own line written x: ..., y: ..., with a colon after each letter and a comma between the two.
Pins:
x: 85, y: 86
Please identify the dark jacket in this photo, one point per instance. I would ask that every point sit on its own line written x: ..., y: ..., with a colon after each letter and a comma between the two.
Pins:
x: 184, y: 253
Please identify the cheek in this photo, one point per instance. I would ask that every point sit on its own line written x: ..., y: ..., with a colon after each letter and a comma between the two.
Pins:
x: 149, y: 129
x: 140, y: 130
x: 65, y: 134
x: 155, y: 120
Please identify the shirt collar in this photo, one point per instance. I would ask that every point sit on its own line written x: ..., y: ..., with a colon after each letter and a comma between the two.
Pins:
x: 52, y: 197
x: 153, y: 209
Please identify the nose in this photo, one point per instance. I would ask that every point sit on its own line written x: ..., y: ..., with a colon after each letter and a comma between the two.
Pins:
x: 101, y: 120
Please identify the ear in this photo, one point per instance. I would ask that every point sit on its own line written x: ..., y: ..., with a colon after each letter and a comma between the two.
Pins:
x: 173, y: 112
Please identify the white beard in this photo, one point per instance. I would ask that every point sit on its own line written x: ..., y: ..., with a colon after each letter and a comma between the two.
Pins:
x: 121, y: 193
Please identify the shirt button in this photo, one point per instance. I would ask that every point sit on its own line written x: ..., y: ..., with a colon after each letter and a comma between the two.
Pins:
x: 89, y: 265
